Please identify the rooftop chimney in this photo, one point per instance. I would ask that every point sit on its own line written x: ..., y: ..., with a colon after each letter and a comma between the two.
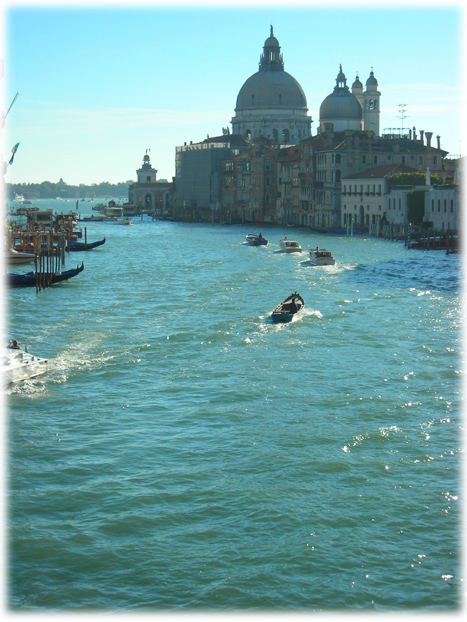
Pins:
x: 439, y: 143
x: 414, y: 133
x: 428, y: 138
x: 421, y: 136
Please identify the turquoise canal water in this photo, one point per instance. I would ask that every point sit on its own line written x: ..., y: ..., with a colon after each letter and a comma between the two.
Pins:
x: 185, y: 453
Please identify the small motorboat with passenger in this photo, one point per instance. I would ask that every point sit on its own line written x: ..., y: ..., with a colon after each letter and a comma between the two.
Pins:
x: 256, y: 240
x: 320, y: 257
x: 290, y: 246
x: 289, y: 307
x: 20, y: 365
x: 16, y: 257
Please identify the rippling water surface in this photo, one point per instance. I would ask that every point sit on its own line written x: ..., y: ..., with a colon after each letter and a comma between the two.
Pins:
x: 185, y: 453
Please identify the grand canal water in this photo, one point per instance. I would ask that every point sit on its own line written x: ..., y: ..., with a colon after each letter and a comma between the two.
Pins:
x: 185, y: 453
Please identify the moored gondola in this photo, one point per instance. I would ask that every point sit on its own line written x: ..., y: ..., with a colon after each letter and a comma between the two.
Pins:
x: 85, y: 246
x: 32, y: 279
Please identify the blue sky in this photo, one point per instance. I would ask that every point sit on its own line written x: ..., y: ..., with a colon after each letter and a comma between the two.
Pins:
x: 99, y: 86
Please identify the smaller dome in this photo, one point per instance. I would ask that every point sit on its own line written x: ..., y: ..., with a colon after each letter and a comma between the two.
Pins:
x: 340, y: 104
x: 372, y: 81
x: 357, y: 84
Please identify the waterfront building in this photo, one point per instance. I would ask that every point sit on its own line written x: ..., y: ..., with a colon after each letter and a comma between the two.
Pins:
x: 271, y: 103
x: 365, y: 205
x: 372, y: 202
x: 148, y: 194
x: 249, y: 185
x: 288, y: 186
x: 441, y: 209
x: 339, y: 154
x: 198, y: 174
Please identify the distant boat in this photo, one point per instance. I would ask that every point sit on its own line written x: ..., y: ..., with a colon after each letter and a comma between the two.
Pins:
x: 125, y: 221
x: 85, y: 246
x: 320, y: 257
x: 290, y: 246
x: 285, y: 311
x: 20, y: 365
x: 256, y: 240
x: 19, y: 197
x: 19, y: 257
x: 31, y: 278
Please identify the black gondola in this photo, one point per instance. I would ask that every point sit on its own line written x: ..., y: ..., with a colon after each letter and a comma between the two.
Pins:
x: 285, y: 311
x: 30, y: 279
x: 85, y: 246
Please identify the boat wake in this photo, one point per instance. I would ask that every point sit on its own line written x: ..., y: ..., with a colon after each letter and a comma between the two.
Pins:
x: 32, y: 387
x: 312, y: 313
x: 80, y: 355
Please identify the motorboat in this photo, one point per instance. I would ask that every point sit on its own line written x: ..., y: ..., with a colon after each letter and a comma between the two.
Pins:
x: 320, y: 257
x: 289, y: 307
x: 21, y: 365
x: 290, y: 246
x: 19, y: 257
x: 256, y: 240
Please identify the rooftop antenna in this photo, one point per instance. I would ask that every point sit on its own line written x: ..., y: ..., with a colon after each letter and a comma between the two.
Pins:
x: 402, y: 115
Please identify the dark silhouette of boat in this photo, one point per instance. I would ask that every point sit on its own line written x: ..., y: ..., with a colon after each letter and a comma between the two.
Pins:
x: 85, y: 246
x: 256, y: 240
x: 32, y: 279
x: 285, y: 311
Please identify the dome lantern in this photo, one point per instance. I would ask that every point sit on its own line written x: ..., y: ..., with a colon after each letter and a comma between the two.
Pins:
x: 271, y: 58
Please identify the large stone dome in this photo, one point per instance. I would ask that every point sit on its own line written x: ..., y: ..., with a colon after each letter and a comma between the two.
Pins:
x: 271, y: 103
x: 271, y: 89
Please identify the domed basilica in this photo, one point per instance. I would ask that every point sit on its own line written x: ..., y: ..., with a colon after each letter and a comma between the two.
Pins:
x: 271, y: 103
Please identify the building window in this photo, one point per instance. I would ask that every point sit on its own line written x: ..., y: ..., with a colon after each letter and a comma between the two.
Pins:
x: 148, y: 179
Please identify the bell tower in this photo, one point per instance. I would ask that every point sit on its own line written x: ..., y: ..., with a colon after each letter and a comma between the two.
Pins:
x: 371, y: 105
x: 146, y: 174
